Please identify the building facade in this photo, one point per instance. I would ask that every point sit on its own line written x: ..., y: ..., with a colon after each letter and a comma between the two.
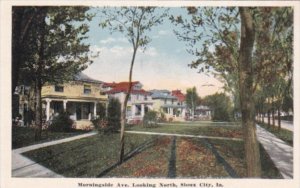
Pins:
x: 139, y: 102
x: 168, y: 104
x: 81, y: 98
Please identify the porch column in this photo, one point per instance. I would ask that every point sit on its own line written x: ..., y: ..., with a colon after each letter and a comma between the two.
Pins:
x: 95, y: 109
x: 133, y: 110
x: 182, y: 112
x: 48, y: 109
x: 143, y: 110
x: 65, y: 105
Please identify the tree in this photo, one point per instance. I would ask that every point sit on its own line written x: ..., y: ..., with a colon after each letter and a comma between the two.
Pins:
x: 246, y: 93
x: 53, y: 50
x: 223, y: 48
x: 135, y: 23
x: 221, y: 106
x: 191, y: 99
x: 114, y: 114
x: 22, y: 19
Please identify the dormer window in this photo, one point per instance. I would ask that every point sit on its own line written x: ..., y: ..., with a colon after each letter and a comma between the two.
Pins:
x: 59, y: 88
x: 87, y: 89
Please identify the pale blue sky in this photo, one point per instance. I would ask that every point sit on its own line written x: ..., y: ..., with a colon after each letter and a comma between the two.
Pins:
x: 164, y: 64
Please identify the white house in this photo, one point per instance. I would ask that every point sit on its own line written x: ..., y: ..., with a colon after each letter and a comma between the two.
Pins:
x: 139, y: 103
x: 170, y: 105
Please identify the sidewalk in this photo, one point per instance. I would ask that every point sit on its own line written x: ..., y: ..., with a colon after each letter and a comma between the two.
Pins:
x: 280, y: 153
x: 183, y: 135
x: 24, y: 167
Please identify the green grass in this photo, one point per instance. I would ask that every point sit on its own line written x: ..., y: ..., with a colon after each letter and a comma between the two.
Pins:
x: 283, y: 134
x: 232, y: 130
x: 24, y: 136
x: 85, y: 157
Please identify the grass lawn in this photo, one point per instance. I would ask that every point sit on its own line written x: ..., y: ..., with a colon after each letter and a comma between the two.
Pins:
x: 232, y: 130
x: 89, y: 157
x: 24, y: 136
x: 283, y: 134
x: 86, y: 157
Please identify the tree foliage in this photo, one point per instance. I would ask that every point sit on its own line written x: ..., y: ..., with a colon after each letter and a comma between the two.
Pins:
x: 54, y: 50
x: 221, y: 106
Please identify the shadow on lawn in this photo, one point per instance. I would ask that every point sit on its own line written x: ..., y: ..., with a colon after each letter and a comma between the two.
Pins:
x: 128, y: 156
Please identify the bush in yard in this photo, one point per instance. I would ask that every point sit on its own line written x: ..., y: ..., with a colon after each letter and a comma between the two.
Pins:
x: 150, y: 119
x: 114, y: 114
x: 101, y: 124
x: 62, y: 123
x: 111, y: 123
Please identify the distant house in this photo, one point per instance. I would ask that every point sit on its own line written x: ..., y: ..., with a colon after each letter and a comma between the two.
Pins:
x: 203, y: 113
x: 171, y: 104
x: 81, y: 98
x: 139, y: 102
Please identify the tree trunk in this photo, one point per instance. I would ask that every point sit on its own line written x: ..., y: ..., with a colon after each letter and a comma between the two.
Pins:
x: 269, y: 119
x: 123, y: 114
x: 38, y: 76
x: 20, y: 27
x: 38, y: 110
x: 279, y: 119
x: 273, y: 114
x: 246, y: 94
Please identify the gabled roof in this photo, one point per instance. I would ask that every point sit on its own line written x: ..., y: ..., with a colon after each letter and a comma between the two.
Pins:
x: 84, y: 78
x: 180, y: 96
x: 122, y: 87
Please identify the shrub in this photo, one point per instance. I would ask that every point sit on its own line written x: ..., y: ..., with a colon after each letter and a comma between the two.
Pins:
x: 62, y: 123
x: 150, y: 119
x: 111, y: 123
x: 114, y: 114
x: 101, y: 124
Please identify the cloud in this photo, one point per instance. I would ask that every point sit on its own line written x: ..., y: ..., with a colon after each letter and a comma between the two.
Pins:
x: 163, y: 32
x: 111, y: 40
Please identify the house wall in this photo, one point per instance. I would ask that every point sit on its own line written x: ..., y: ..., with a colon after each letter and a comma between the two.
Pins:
x: 74, y: 90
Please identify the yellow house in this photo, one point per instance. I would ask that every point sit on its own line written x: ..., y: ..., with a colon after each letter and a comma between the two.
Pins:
x: 81, y: 98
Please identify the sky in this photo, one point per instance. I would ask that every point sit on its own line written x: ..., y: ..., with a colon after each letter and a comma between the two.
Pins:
x: 163, y: 65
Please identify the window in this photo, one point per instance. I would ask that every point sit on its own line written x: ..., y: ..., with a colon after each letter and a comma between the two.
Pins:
x: 59, y: 88
x: 87, y: 89
x: 145, y: 97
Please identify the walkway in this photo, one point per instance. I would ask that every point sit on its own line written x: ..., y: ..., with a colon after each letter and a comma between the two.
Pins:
x: 24, y: 167
x: 280, y: 153
x: 183, y: 135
